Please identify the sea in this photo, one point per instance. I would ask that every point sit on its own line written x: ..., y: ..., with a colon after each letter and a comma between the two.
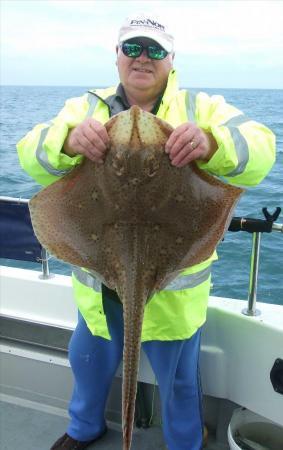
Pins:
x: 22, y: 107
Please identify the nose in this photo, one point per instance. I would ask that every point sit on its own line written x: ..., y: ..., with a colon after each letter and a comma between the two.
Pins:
x: 143, y: 56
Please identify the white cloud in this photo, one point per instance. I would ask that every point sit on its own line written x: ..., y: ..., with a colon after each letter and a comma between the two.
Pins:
x: 64, y: 32
x: 226, y: 27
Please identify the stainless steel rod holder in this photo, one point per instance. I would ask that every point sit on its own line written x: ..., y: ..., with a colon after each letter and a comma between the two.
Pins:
x: 251, y: 309
x: 45, y: 275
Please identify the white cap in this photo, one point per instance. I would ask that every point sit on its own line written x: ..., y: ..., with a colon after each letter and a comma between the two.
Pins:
x: 149, y: 26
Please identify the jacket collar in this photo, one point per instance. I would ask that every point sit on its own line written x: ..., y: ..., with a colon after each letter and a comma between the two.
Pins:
x: 172, y: 86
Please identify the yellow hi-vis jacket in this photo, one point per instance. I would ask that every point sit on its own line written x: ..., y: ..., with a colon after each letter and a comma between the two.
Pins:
x: 246, y: 153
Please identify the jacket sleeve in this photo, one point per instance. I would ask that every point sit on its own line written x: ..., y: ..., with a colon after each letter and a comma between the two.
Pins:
x: 40, y: 151
x: 246, y: 148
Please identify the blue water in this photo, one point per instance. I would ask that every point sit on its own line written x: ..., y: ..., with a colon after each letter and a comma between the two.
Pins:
x: 23, y: 107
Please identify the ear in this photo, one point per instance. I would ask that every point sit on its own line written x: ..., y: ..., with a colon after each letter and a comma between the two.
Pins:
x: 172, y: 55
x: 117, y: 50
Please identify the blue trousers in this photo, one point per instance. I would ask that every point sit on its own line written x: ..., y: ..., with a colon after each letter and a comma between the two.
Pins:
x: 94, y: 361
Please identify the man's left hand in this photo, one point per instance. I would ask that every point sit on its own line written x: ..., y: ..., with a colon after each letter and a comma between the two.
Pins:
x: 188, y: 143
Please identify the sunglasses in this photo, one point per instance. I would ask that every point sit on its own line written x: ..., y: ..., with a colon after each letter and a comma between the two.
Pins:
x: 135, y: 49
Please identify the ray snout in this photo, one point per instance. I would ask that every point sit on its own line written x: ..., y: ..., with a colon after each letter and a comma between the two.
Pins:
x: 137, y: 129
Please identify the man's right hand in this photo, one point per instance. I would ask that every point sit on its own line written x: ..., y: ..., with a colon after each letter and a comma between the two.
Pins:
x: 89, y: 138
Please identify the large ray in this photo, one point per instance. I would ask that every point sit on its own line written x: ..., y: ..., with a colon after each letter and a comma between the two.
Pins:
x: 135, y: 221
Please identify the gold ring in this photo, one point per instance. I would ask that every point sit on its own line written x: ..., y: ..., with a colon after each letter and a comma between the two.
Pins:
x: 193, y: 145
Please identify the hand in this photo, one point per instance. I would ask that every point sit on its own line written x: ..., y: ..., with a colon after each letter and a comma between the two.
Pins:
x: 188, y: 143
x: 89, y: 138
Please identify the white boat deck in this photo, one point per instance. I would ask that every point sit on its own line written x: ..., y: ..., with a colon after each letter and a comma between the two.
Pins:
x: 23, y: 427
x: 26, y: 428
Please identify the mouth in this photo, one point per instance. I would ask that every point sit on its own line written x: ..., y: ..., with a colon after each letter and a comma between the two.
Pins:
x: 142, y: 70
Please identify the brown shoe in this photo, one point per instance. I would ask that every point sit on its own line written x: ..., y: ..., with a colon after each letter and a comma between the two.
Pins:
x: 65, y: 442
x: 205, y: 436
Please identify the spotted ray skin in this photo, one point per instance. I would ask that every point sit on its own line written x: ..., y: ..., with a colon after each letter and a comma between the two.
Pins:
x: 135, y: 221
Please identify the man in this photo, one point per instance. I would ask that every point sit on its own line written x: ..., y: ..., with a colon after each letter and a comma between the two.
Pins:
x: 222, y: 141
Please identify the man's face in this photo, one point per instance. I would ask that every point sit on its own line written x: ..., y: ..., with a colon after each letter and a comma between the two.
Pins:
x: 143, y: 73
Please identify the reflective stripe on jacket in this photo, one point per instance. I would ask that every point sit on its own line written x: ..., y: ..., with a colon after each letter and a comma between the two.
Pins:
x: 244, y: 157
x: 174, y: 313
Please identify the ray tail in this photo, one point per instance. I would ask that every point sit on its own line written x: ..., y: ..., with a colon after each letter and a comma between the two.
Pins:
x: 137, y: 287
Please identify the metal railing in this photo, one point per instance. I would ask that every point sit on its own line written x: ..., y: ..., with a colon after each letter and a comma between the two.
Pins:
x: 250, y: 225
x: 256, y: 227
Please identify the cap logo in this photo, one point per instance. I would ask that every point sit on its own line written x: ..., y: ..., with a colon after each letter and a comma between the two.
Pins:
x: 149, y: 23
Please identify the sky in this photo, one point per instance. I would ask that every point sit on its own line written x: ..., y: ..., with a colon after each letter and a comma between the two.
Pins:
x: 218, y: 44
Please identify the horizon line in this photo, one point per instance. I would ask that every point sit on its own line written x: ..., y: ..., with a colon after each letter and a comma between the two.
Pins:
x: 104, y: 86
